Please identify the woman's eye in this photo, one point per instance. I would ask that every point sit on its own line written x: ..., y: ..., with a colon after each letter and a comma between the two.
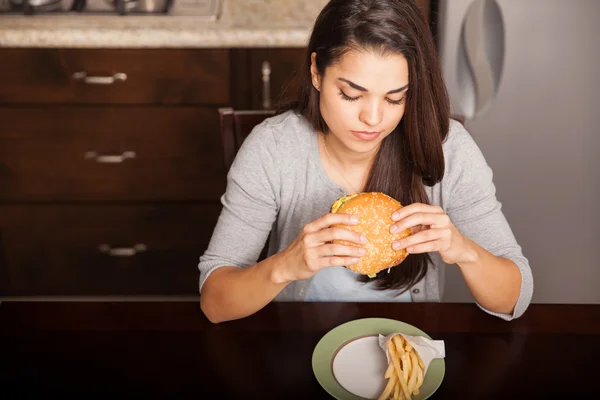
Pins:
x: 348, y: 98
x: 395, y: 102
x: 390, y: 101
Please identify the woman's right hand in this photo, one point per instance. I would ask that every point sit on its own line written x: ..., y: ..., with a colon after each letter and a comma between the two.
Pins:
x: 313, y: 249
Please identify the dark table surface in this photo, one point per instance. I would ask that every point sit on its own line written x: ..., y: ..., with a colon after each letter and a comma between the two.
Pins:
x: 170, y: 350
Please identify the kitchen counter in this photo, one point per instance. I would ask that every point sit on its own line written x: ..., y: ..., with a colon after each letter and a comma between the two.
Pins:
x: 242, y: 23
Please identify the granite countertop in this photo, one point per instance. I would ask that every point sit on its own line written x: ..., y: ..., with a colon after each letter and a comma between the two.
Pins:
x: 242, y: 23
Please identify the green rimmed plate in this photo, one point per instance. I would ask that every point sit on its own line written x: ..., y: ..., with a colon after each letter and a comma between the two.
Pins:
x: 349, y: 364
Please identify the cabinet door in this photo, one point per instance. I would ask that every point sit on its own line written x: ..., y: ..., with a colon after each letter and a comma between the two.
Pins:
x: 103, y: 250
x: 272, y: 73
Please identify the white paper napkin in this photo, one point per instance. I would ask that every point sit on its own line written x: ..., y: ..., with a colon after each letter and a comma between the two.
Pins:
x: 426, y: 348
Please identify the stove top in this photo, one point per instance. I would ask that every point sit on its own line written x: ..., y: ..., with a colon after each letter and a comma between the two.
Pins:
x: 209, y: 9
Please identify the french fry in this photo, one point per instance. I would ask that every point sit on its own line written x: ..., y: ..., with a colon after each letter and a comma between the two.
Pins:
x: 398, y: 342
x: 393, y: 380
x: 419, y: 380
x: 400, y: 373
x: 397, y: 392
x: 406, y: 367
x: 390, y: 371
x: 405, y: 371
x: 412, y: 380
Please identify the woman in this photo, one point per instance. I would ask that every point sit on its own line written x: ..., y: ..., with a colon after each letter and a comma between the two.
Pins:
x: 372, y: 115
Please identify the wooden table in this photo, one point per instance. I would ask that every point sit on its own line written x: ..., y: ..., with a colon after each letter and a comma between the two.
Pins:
x: 169, y: 349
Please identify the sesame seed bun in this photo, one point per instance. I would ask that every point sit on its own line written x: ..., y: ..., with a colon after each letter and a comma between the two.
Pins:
x: 374, y: 210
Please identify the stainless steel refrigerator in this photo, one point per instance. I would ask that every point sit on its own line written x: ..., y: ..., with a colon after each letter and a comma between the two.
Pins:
x: 526, y: 76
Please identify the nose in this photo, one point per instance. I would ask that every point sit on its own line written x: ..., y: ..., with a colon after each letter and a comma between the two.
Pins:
x: 371, y: 114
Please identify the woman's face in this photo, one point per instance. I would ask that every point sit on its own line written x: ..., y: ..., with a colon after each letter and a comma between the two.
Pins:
x: 362, y: 97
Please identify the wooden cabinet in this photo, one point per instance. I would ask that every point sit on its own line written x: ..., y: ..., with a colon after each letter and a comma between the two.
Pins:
x: 111, y: 162
x: 110, y: 184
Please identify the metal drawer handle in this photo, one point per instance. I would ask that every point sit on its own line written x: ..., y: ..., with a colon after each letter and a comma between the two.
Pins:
x: 122, y: 251
x: 266, y: 81
x: 110, y: 159
x: 99, y: 80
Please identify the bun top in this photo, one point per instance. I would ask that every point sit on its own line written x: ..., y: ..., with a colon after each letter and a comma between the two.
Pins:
x: 373, y: 203
x: 374, y: 210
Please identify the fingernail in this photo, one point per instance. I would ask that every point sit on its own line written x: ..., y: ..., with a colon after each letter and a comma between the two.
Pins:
x: 353, y: 260
x: 396, y: 246
x: 363, y: 238
x: 395, y: 216
x: 362, y: 251
x: 354, y: 219
x: 394, y: 229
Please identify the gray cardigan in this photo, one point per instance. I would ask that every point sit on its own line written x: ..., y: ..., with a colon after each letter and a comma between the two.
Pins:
x: 277, y: 184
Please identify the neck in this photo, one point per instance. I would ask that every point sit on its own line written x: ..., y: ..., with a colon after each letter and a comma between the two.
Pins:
x: 346, y: 158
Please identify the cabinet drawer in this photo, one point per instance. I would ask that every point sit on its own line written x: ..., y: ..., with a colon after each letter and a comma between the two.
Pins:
x: 110, y: 153
x: 123, y: 76
x: 103, y: 250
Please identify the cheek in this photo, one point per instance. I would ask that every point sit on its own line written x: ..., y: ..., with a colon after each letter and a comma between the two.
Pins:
x: 393, y: 116
x: 337, y: 112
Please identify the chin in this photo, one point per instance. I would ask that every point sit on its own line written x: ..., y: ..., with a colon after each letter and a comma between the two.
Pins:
x: 363, y: 147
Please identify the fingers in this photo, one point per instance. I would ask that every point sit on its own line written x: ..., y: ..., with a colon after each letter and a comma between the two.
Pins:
x: 418, y: 228
x: 328, y: 220
x: 335, y: 254
x: 337, y: 233
x: 427, y: 247
x: 416, y: 208
x: 424, y: 242
x: 340, y: 250
x: 330, y: 255
x: 320, y: 252
x: 434, y: 220
x: 335, y: 261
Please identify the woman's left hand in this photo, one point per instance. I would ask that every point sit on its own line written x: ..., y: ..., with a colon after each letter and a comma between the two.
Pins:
x: 431, y: 230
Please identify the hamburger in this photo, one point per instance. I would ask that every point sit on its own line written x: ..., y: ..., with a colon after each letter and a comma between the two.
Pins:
x: 374, y: 210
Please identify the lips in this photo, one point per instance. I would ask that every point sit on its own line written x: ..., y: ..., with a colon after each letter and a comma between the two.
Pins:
x: 362, y: 135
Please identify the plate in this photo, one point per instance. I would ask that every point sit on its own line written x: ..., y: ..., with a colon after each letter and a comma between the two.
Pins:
x: 349, y: 364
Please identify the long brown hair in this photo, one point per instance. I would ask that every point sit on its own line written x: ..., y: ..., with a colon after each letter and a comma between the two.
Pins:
x: 411, y: 156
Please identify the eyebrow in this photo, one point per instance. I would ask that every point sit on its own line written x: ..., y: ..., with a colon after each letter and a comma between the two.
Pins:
x: 362, y: 89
